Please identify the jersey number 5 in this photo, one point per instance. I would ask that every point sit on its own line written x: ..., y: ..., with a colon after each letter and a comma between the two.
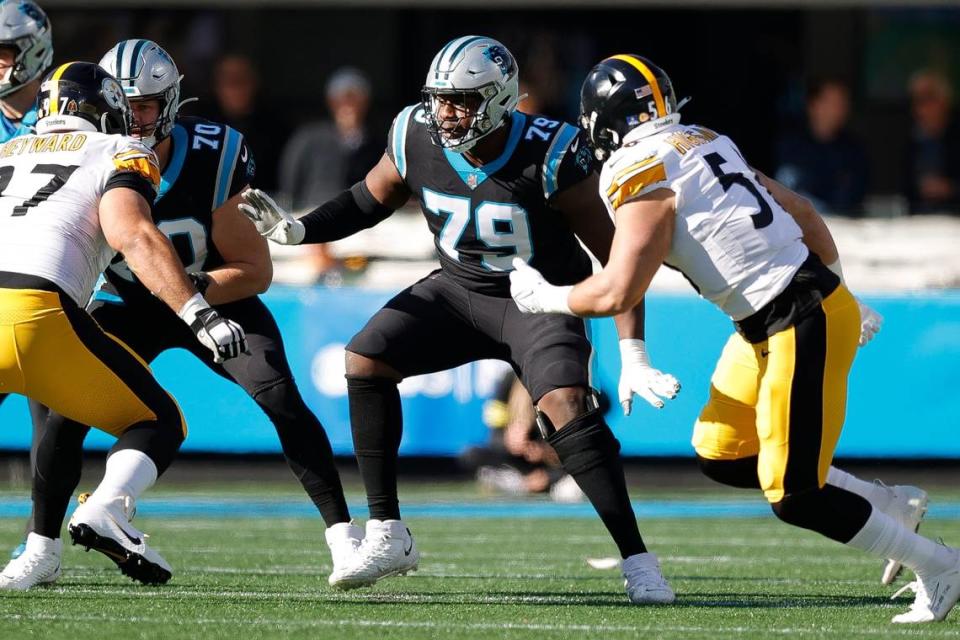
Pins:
x: 760, y: 219
x: 499, y: 225
x: 61, y: 173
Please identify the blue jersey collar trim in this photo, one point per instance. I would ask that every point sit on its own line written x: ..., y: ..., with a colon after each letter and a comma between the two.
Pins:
x: 473, y: 176
x: 172, y: 172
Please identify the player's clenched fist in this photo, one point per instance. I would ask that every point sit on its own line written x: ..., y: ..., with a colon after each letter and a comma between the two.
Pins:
x: 225, y: 338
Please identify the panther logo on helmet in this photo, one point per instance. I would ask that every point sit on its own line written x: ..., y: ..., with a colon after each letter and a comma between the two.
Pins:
x: 501, y: 57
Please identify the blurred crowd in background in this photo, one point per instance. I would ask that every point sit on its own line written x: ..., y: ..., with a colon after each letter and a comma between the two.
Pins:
x: 854, y: 109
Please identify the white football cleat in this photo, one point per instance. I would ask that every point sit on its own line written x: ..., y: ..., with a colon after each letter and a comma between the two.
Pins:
x: 644, y: 582
x: 936, y: 596
x: 908, y: 506
x: 38, y: 564
x: 386, y: 550
x: 344, y: 539
x: 105, y: 527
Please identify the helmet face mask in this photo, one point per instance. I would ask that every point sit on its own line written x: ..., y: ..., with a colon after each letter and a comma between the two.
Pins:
x: 147, y: 72
x: 471, y: 90
x: 456, y: 118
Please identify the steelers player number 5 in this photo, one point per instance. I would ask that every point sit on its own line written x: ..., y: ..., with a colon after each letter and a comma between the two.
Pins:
x: 499, y: 225
x: 761, y: 219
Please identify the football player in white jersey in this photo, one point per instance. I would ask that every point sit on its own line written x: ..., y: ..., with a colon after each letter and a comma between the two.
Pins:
x: 71, y: 197
x: 684, y: 196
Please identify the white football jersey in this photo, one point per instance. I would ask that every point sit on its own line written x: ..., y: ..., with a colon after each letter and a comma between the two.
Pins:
x: 732, y: 240
x: 50, y: 188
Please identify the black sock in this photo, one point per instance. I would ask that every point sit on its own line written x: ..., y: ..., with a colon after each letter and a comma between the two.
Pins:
x: 590, y: 453
x: 376, y: 420
x: 58, y: 462
x: 306, y: 448
x: 831, y: 511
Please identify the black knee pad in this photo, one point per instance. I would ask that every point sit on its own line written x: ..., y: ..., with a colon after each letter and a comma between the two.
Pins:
x: 585, y: 443
x: 280, y: 400
x: 741, y: 473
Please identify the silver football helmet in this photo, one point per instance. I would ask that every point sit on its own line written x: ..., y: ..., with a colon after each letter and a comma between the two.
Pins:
x: 25, y: 27
x: 477, y: 76
x: 146, y: 72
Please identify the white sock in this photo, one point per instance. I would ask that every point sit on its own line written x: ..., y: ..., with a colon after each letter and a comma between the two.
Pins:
x: 875, y: 493
x: 884, y: 537
x: 37, y: 544
x: 129, y: 473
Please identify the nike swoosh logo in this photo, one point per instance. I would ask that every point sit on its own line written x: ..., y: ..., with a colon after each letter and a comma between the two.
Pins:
x: 576, y: 143
x: 129, y: 537
x: 407, y: 551
x: 158, y: 76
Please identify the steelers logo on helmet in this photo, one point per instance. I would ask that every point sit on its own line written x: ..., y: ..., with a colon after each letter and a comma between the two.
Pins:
x: 112, y: 92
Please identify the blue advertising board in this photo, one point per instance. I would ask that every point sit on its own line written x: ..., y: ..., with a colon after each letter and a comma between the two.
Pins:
x: 903, y: 396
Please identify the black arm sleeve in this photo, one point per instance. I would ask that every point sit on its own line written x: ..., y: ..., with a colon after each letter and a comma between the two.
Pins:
x: 353, y: 210
x: 135, y: 181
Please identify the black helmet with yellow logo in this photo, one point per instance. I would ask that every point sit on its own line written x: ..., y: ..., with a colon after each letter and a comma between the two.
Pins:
x: 620, y: 94
x: 82, y: 96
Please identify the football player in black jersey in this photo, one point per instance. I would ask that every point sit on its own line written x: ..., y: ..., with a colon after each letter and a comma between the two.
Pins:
x: 493, y: 184
x: 204, y: 167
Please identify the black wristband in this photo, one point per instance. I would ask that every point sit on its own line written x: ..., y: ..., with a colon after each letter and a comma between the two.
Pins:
x: 351, y: 211
x: 201, y: 280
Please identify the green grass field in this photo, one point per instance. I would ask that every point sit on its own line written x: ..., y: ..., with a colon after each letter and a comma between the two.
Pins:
x: 263, y: 577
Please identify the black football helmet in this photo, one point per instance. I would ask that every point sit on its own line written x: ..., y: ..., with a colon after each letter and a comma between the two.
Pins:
x: 620, y: 94
x: 82, y: 96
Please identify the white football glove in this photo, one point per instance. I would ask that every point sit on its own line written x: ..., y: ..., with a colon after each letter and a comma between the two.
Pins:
x: 532, y: 292
x: 271, y: 220
x: 870, y: 323
x: 225, y: 338
x: 638, y: 377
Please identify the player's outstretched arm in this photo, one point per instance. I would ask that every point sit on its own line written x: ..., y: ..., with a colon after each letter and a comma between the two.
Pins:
x: 587, y: 216
x: 129, y: 229
x: 817, y: 237
x: 362, y: 206
x: 247, y: 269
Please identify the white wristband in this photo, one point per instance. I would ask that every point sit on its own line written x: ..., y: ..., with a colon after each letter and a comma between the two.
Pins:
x: 188, y: 312
x: 837, y: 268
x: 556, y: 300
x: 634, y: 350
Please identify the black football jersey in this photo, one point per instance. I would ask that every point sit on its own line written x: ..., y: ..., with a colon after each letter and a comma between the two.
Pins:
x: 483, y: 217
x: 209, y: 164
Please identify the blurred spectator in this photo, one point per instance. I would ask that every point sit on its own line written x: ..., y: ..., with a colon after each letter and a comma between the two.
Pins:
x: 324, y: 158
x: 517, y: 461
x: 825, y: 161
x: 236, y: 87
x: 933, y: 167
